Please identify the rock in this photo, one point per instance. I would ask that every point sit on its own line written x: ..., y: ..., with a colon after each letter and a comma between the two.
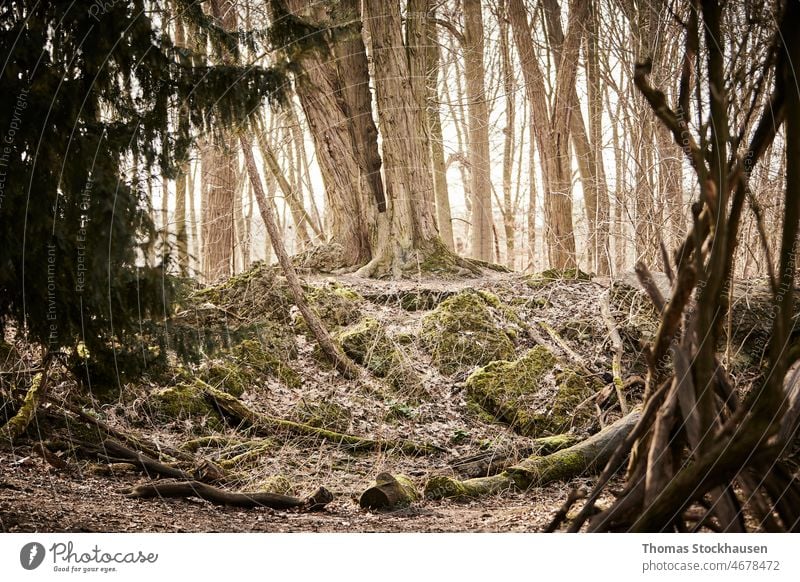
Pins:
x: 368, y: 344
x: 182, y: 402
x: 470, y: 329
x: 535, y: 394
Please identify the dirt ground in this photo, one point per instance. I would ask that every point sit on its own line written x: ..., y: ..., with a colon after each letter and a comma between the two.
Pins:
x: 34, y: 498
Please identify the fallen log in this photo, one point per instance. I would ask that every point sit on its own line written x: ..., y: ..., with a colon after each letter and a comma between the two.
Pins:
x: 492, y: 462
x: 267, y: 425
x: 389, y: 491
x: 116, y: 451
x: 587, y: 456
x: 17, y: 425
x: 314, y: 502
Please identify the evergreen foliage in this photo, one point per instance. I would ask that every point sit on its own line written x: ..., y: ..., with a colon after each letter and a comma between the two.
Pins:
x: 87, y: 87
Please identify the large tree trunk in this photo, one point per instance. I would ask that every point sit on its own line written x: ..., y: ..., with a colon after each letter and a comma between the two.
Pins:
x: 219, y: 181
x: 351, y: 59
x: 408, y: 240
x: 181, y: 238
x: 478, y: 142
x: 600, y: 219
x: 551, y: 132
x: 319, y: 89
x: 444, y: 218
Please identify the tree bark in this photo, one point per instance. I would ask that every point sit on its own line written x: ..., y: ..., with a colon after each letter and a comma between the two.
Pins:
x: 219, y: 180
x: 551, y: 131
x: 444, y: 218
x: 478, y: 124
x: 509, y: 208
x: 318, y: 86
x: 408, y: 240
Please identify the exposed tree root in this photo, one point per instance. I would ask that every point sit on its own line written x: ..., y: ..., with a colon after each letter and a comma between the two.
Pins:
x: 314, y: 502
x: 586, y: 456
x: 268, y: 425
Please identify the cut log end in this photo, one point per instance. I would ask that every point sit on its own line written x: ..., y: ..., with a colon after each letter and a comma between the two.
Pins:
x: 388, y: 492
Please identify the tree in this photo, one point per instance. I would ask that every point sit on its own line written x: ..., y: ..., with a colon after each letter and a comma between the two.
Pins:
x: 444, y: 219
x: 76, y: 226
x: 408, y: 238
x: 552, y: 127
x: 478, y: 142
x: 352, y: 183
x: 699, y: 453
x: 220, y: 177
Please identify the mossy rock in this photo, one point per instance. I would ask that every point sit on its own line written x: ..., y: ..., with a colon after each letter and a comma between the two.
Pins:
x: 258, y: 294
x: 267, y: 358
x: 639, y: 319
x: 226, y: 376
x: 552, y: 275
x: 184, y: 402
x: 335, y: 304
x: 469, y: 329
x: 368, y: 344
x: 326, y: 414
x: 533, y: 394
x: 275, y: 484
x: 325, y: 258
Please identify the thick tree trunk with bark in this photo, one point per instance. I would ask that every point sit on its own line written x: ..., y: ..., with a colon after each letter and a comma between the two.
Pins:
x: 551, y: 132
x: 351, y: 59
x: 408, y: 238
x: 318, y: 86
x: 478, y: 142
x: 219, y: 181
x: 444, y: 218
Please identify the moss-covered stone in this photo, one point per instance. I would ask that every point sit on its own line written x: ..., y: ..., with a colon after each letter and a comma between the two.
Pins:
x: 368, y: 344
x: 336, y: 305
x: 183, y: 402
x: 275, y: 484
x: 226, y: 376
x: 469, y: 329
x: 531, y: 394
x: 269, y: 358
x: 258, y: 294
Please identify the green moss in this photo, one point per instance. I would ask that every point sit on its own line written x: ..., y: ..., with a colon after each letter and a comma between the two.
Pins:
x: 441, y: 487
x: 20, y: 421
x: 529, y: 395
x: 226, y: 376
x: 258, y: 294
x: 268, y: 358
x: 275, y: 484
x: 368, y: 344
x: 335, y: 304
x: 181, y: 402
x: 552, y: 275
x: 469, y: 329
x: 326, y: 414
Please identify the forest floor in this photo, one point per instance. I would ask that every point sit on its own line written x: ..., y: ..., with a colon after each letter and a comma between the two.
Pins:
x: 422, y: 340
